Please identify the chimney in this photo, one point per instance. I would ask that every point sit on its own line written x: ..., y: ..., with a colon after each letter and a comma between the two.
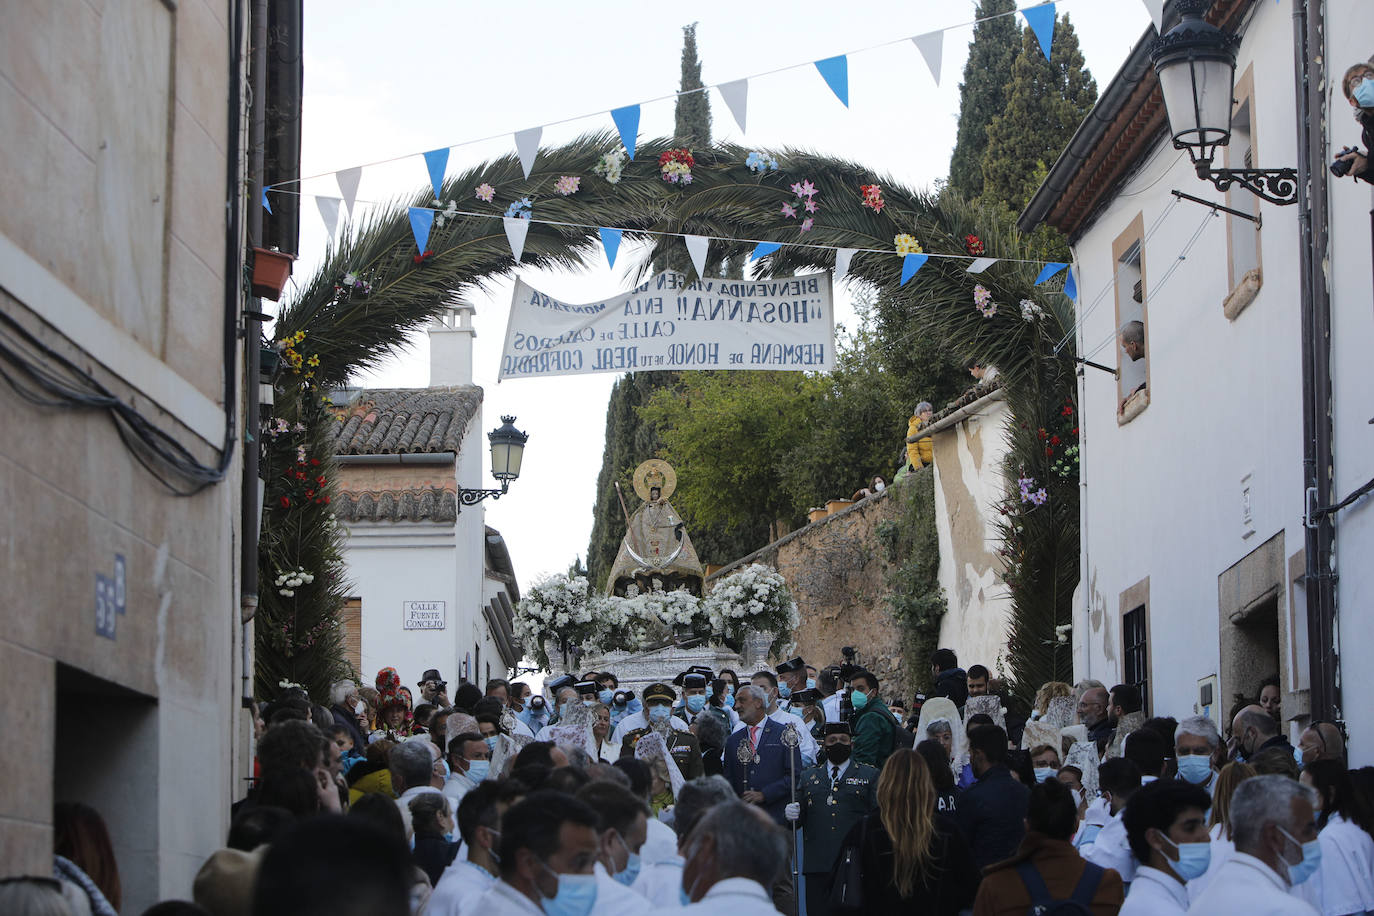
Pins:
x: 450, y: 345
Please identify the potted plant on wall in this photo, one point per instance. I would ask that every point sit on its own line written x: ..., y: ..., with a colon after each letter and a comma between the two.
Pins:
x: 271, y: 270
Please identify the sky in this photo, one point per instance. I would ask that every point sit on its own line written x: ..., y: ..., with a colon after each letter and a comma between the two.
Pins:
x: 389, y: 81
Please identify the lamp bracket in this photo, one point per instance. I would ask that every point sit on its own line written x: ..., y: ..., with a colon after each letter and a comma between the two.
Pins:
x: 473, y: 497
x: 1258, y: 221
x: 1278, y: 186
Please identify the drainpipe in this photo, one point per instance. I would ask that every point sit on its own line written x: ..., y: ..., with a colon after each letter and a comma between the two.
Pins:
x: 252, y: 495
x: 1314, y: 239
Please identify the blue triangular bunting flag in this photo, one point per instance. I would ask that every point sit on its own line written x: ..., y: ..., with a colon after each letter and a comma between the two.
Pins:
x: 265, y: 205
x: 762, y: 249
x: 627, y: 122
x: 912, y: 263
x: 1041, y: 20
x: 421, y: 221
x: 436, y: 160
x: 610, y: 240
x: 1049, y: 270
x: 835, y: 71
x: 1070, y: 287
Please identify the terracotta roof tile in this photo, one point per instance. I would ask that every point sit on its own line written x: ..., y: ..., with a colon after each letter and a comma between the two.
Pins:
x: 421, y: 504
x: 389, y: 421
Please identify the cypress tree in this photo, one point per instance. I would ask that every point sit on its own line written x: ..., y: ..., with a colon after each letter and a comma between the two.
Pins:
x: 983, y: 93
x: 1046, y: 101
x: 693, y: 113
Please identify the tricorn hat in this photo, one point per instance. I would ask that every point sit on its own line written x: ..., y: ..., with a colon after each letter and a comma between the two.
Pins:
x: 792, y: 664
x: 836, y: 728
x: 659, y: 692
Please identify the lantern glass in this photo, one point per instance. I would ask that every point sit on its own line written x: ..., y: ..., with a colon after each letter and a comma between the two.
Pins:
x: 1197, y: 94
x: 507, y: 450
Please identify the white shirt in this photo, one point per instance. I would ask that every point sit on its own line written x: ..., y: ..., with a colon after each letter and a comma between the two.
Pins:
x: 661, y: 882
x: 614, y: 898
x: 520, y: 728
x: 456, y: 786
x: 1347, y: 870
x: 1155, y: 893
x: 504, y: 900
x: 831, y: 705
x: 1222, y: 849
x: 637, y: 720
x: 459, y: 888
x: 1111, y: 849
x: 404, y: 804
x: 808, y: 747
x: 660, y: 843
x: 735, y: 896
x: 1246, y: 885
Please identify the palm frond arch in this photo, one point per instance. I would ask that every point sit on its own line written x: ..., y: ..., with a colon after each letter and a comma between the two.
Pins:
x: 350, y: 332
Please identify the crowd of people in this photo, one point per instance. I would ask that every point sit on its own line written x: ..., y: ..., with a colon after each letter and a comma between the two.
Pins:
x: 797, y: 790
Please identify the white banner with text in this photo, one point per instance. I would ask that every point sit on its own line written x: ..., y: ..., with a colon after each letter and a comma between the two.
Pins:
x: 668, y: 323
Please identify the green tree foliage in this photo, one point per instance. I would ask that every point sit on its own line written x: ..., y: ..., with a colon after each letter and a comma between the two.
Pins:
x: 918, y: 362
x: 983, y: 93
x: 693, y: 113
x: 911, y: 546
x: 1046, y: 101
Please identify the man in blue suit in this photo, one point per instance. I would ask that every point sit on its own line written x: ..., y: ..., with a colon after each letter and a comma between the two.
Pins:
x: 758, y: 764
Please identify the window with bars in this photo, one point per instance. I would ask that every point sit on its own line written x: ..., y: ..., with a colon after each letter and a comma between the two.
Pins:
x: 1135, y: 653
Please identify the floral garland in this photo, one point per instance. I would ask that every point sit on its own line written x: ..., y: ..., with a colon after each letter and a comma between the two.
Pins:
x: 484, y: 192
x: 974, y: 245
x: 754, y: 599
x: 804, y: 202
x: 906, y: 243
x: 556, y: 609
x: 610, y: 166
x: 675, y: 166
x: 982, y: 301
x: 519, y: 209
x: 761, y: 162
x: 873, y: 197
x: 567, y: 185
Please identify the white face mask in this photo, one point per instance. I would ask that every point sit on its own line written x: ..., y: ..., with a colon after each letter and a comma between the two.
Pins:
x: 359, y: 708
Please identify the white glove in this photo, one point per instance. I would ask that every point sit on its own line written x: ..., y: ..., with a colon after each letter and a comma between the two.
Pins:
x: 793, y: 811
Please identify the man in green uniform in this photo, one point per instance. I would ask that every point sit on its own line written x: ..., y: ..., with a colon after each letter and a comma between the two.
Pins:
x: 658, y: 709
x: 834, y: 795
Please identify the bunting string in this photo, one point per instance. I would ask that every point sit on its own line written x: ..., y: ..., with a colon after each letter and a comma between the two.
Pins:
x: 834, y: 70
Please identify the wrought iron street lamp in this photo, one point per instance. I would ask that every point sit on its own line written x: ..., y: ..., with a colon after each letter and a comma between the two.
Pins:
x: 1196, y: 64
x: 507, y: 451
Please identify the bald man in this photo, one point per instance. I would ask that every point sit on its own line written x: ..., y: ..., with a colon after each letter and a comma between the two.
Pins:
x: 1254, y: 730
x: 1321, y: 741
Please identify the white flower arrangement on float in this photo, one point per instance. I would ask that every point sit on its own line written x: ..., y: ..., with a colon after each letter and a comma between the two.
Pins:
x: 556, y: 608
x: 754, y: 599
x: 651, y: 616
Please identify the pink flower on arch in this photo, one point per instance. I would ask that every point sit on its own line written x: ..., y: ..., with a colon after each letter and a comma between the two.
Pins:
x: 789, y: 211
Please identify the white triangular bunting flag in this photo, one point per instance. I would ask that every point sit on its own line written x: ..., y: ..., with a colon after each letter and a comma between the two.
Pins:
x: 329, y: 212
x: 1156, y: 8
x: 842, y: 258
x: 516, y: 230
x: 981, y: 264
x: 348, y: 186
x: 932, y: 48
x: 736, y: 95
x: 527, y: 147
x: 696, y: 247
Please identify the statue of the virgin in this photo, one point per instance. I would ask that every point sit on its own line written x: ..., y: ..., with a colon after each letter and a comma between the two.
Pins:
x: 656, y: 552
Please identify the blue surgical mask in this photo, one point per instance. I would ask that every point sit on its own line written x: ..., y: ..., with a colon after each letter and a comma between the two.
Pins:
x: 784, y: 691
x: 605, y: 695
x: 1364, y: 93
x: 710, y: 691
x: 696, y: 702
x: 630, y: 872
x: 1300, y: 871
x: 1195, y: 768
x: 490, y: 741
x: 1044, y: 774
x: 730, y: 689
x: 576, y: 895
x: 448, y: 837
x: 447, y: 772
x: 1193, y: 859
x: 659, y: 713
x: 589, y: 702
x: 1297, y: 756
x: 811, y: 683
x: 730, y: 700
x: 478, y: 769
x: 858, y: 699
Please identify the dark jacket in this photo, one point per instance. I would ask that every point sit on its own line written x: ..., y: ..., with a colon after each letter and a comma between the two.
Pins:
x: 772, y: 775
x: 875, y: 733
x: 828, y: 811
x: 348, y: 720
x: 945, y: 888
x: 1003, y: 893
x: 1366, y: 119
x: 991, y: 814
x: 433, y: 854
x: 952, y: 683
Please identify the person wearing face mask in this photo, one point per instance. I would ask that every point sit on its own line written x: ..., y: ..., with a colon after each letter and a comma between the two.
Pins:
x: 547, y: 854
x: 875, y: 728
x: 834, y: 796
x: 1254, y: 731
x: 694, y: 703
x: 1045, y: 761
x: 479, y: 825
x: 791, y: 678
x: 681, y: 743
x: 622, y: 830
x: 1275, y: 829
x: 732, y: 857
x: 347, y: 707
x: 564, y: 696
x: 1166, y: 825
x: 469, y: 760
x: 1118, y: 780
x: 641, y: 719
x: 1358, y: 86
x: 1195, y: 741
x: 767, y: 681
x: 434, y: 847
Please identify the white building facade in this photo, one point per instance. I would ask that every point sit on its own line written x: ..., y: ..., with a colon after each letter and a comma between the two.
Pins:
x: 1194, y: 569
x: 432, y: 585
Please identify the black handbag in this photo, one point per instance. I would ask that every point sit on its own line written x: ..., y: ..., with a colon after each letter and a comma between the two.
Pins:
x: 847, y: 879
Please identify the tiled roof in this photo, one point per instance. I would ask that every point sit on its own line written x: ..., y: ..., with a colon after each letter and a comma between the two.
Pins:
x: 428, y: 504
x: 390, y: 421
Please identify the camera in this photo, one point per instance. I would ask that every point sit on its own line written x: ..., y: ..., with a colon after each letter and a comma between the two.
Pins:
x: 848, y: 652
x: 622, y: 697
x: 1341, y: 167
x: 537, y: 704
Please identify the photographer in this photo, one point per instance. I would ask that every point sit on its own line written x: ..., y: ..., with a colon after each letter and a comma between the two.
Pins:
x: 1358, y: 85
